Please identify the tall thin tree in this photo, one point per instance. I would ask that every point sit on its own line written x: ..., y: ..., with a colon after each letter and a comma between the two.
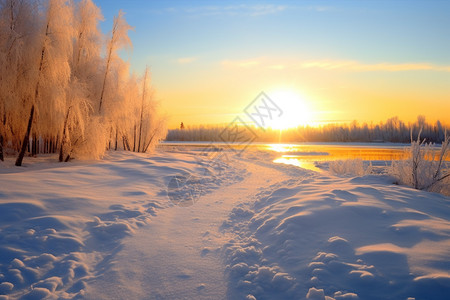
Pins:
x: 36, y: 94
x: 85, y: 54
x: 16, y: 18
x: 144, y: 93
x: 119, y: 38
x: 52, y: 71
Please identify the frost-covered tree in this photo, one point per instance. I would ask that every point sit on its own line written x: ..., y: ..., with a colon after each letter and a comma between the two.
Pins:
x: 17, y: 18
x: 83, y: 86
x: 145, y: 92
x: 118, y: 39
x: 64, y: 88
x: 50, y: 70
x: 153, y: 127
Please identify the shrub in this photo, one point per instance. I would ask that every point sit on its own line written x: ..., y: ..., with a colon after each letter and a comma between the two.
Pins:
x: 350, y: 167
x: 426, y: 168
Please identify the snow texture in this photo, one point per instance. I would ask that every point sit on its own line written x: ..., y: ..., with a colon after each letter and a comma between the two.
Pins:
x: 257, y: 230
x: 327, y: 237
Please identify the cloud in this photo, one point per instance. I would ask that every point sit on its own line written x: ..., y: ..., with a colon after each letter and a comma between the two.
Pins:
x: 250, y: 63
x: 365, y: 67
x: 230, y: 10
x: 337, y: 65
x: 186, y: 60
x: 277, y: 67
x: 267, y: 9
x: 242, y: 10
x: 321, y: 8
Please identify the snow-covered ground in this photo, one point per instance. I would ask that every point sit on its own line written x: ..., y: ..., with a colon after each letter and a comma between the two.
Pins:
x: 239, y: 227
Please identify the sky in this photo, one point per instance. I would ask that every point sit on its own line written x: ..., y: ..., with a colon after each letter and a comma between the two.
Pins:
x: 320, y: 61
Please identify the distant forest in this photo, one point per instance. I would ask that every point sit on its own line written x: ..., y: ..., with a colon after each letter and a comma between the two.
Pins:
x: 393, y: 130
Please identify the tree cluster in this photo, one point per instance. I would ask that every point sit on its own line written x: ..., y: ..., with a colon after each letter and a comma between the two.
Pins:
x: 63, y: 86
x: 393, y: 130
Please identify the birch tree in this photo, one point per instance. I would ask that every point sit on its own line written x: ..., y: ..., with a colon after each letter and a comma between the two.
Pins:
x: 144, y: 94
x: 58, y: 92
x: 16, y: 19
x: 118, y: 39
x: 151, y: 125
x: 51, y: 69
x: 83, y: 85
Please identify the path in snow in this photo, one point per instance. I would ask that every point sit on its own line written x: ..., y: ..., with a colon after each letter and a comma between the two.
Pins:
x: 177, y: 256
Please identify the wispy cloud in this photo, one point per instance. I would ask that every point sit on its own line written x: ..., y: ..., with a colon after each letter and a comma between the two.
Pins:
x: 365, y: 67
x: 337, y: 65
x: 242, y: 10
x: 248, y: 63
x: 230, y: 10
x: 186, y: 60
x: 267, y: 9
x: 321, y: 8
x: 277, y: 67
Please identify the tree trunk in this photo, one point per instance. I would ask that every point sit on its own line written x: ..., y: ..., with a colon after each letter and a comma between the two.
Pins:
x: 1, y: 148
x: 151, y: 139
x: 142, y: 108
x: 110, y: 137
x: 123, y: 143
x: 63, y: 140
x: 134, y: 139
x: 36, y: 94
x: 126, y: 143
x: 33, y: 146
x: 2, y: 158
x: 103, y: 86
x: 25, y: 138
x: 115, y: 146
x: 108, y: 61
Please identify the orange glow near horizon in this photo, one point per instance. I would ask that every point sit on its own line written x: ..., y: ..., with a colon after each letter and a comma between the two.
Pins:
x: 332, y: 106
x: 306, y: 97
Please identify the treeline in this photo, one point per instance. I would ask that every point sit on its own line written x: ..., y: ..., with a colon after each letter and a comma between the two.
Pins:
x: 393, y: 130
x: 63, y: 86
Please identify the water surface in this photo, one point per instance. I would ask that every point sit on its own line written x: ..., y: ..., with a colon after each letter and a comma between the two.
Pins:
x: 305, y: 155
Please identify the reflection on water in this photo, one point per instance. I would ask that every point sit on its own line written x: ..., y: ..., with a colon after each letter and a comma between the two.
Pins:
x: 320, y: 152
x: 305, y: 155
x: 295, y: 161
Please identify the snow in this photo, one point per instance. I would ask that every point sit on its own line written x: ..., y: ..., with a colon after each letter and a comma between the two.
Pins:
x: 239, y: 227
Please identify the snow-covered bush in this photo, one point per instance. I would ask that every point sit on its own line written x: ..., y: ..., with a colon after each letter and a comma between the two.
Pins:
x: 350, y: 167
x: 426, y: 168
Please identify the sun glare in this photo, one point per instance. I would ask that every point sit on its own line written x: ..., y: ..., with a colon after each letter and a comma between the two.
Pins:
x: 296, y: 111
x: 280, y: 147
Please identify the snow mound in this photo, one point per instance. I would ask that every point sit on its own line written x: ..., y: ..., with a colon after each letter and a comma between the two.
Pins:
x: 326, y: 237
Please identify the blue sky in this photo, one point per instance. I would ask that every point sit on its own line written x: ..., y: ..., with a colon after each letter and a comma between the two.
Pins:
x: 185, y: 41
x: 395, y: 30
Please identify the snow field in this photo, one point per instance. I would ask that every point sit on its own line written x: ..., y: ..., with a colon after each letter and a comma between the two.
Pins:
x: 62, y: 225
x: 326, y: 237
x: 241, y: 228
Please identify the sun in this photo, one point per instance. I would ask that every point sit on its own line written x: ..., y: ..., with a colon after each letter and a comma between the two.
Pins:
x: 296, y: 110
